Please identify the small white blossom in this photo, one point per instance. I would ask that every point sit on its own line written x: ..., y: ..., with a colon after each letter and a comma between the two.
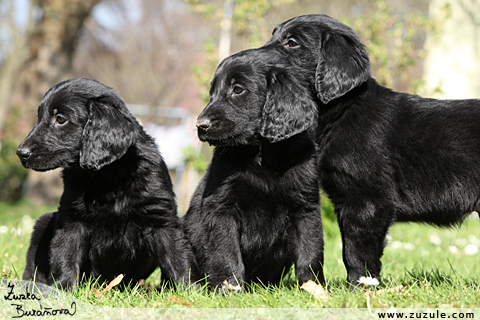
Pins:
x: 471, y: 250
x: 435, y: 240
x: 393, y: 311
x: 3, y: 229
x: 368, y: 281
x: 229, y: 287
x: 28, y: 222
x: 396, y: 245
x: 17, y: 231
x: 453, y: 249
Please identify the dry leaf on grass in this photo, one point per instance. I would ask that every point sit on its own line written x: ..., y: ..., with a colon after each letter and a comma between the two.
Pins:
x: 178, y: 301
x: 382, y: 291
x: 113, y: 283
x: 314, y: 289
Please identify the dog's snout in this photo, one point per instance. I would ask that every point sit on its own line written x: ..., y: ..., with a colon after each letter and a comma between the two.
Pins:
x: 203, y: 124
x: 23, y: 153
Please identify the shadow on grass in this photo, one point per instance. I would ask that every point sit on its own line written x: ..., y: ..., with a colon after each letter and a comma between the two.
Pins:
x: 436, y: 277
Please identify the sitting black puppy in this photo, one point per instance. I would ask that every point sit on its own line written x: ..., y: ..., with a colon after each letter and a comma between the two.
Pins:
x: 117, y: 214
x: 256, y: 211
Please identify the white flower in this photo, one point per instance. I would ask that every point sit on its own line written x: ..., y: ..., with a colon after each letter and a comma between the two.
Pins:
x: 3, y: 229
x: 408, y: 246
x: 28, y: 222
x: 229, y: 287
x: 392, y: 311
x: 396, y: 245
x: 435, y: 240
x: 368, y: 281
x: 471, y: 250
x: 453, y: 249
x: 17, y: 231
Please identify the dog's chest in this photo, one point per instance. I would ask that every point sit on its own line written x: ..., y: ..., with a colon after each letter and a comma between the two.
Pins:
x: 122, y: 241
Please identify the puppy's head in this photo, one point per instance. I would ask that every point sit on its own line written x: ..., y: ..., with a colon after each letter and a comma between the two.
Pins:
x: 80, y: 122
x: 325, y: 50
x: 253, y: 96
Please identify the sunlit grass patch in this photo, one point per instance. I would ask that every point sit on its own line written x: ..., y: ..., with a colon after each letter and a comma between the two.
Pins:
x: 418, y: 259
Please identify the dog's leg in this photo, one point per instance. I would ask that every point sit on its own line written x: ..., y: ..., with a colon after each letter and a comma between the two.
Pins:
x: 38, y: 267
x: 308, y: 247
x: 175, y: 257
x: 67, y: 254
x: 217, y: 248
x: 363, y: 235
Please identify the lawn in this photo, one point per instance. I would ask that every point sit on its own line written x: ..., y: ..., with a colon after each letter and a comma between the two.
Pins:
x: 428, y: 267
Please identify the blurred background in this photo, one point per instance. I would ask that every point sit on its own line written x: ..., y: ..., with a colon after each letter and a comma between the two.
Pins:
x: 160, y: 56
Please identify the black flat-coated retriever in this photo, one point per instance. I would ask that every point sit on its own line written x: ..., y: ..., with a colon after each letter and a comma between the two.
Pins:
x: 117, y: 214
x: 383, y: 156
x: 256, y: 210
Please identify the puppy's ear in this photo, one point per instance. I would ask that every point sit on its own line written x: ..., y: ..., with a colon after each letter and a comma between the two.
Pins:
x: 108, y: 133
x: 343, y: 64
x: 289, y: 109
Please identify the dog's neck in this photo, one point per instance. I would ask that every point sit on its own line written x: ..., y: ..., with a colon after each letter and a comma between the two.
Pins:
x: 283, y: 155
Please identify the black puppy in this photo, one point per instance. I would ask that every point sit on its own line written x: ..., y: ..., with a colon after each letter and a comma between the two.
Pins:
x: 383, y: 156
x: 117, y: 214
x: 256, y: 211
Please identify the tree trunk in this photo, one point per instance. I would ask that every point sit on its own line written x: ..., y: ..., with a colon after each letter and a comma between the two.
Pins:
x: 51, y: 45
x: 49, y: 48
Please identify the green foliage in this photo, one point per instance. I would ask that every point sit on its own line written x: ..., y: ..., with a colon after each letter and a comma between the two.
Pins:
x: 329, y: 218
x: 203, y: 73
x: 248, y: 20
x: 12, y: 174
x: 195, y: 159
x: 395, y: 43
x: 249, y: 16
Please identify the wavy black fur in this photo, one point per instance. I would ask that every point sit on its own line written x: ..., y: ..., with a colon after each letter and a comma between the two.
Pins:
x: 256, y: 211
x: 383, y: 156
x: 117, y: 214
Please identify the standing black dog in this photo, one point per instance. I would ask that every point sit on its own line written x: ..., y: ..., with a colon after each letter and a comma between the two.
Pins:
x: 383, y: 156
x: 117, y: 214
x: 256, y: 211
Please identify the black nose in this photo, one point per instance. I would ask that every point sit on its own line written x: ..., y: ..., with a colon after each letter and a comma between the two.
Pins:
x: 23, y: 154
x: 203, y: 124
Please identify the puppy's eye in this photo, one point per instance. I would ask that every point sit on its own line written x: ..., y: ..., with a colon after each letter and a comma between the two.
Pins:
x: 237, y: 89
x: 60, y: 119
x: 291, y: 43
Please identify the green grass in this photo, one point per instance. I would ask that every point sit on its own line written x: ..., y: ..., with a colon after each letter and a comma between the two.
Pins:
x: 430, y: 263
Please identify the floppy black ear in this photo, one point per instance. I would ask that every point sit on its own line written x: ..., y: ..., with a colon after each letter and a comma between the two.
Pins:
x: 289, y: 109
x: 343, y: 64
x: 109, y: 132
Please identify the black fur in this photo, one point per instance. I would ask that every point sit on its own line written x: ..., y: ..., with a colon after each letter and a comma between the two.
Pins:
x: 117, y: 214
x: 383, y: 156
x: 256, y: 211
